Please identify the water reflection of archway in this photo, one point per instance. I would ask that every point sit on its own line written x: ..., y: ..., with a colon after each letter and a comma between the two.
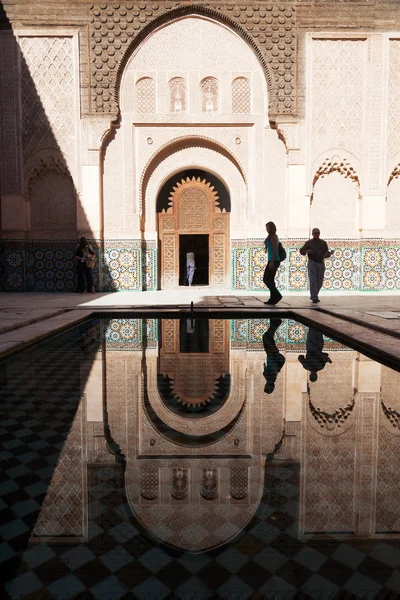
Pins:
x: 193, y: 210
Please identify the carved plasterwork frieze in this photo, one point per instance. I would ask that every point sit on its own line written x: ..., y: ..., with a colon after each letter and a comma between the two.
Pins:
x: 392, y: 419
x: 63, y: 512
x: 46, y: 165
x: 116, y: 29
x: 208, y: 517
x: 337, y: 94
x: 209, y: 483
x: 239, y: 484
x: 48, y: 92
x: 394, y: 174
x: 149, y: 483
x: 180, y: 483
x: 334, y: 423
x: 339, y: 164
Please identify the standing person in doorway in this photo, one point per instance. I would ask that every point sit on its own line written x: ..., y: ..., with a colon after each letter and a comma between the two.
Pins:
x: 316, y: 250
x: 85, y: 255
x: 271, y: 247
x: 190, y: 267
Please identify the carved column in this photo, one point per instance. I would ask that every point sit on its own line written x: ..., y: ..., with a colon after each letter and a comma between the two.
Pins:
x: 366, y: 462
x: 298, y: 203
x: 374, y: 171
x: 90, y: 210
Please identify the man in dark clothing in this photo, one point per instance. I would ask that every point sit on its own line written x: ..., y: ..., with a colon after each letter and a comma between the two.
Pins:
x: 315, y: 360
x: 316, y: 250
x: 275, y: 360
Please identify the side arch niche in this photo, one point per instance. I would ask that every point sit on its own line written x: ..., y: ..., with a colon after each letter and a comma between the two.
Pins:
x: 334, y: 197
x: 194, y: 216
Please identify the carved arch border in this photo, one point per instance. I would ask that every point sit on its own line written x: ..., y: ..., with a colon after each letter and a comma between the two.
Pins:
x: 206, y: 425
x: 173, y: 147
x: 189, y: 11
x: 335, y: 160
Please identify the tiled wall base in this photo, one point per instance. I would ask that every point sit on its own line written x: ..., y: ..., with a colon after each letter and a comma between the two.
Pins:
x: 131, y: 265
x: 50, y: 266
x: 367, y: 265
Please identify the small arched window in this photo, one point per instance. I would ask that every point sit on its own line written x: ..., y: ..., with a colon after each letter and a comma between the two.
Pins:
x: 177, y: 95
x: 146, y: 95
x: 209, y: 95
x: 241, y: 95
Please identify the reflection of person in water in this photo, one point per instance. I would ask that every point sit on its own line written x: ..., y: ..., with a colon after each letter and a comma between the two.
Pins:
x: 189, y: 325
x: 275, y: 360
x: 315, y: 360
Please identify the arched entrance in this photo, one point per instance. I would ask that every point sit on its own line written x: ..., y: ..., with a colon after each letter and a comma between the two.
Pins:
x: 193, y: 216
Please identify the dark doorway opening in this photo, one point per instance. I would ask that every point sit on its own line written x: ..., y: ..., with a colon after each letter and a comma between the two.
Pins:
x: 193, y: 336
x: 198, y: 244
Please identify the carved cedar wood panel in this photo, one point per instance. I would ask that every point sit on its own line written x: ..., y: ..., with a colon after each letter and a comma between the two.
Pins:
x: 193, y: 209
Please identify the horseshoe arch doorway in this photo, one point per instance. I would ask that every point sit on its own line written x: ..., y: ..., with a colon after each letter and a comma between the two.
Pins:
x: 193, y: 209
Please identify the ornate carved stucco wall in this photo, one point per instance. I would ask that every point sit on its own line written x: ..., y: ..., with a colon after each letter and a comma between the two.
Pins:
x: 329, y: 90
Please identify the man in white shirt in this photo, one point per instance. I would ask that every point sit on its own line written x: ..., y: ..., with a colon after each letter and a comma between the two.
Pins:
x: 190, y: 267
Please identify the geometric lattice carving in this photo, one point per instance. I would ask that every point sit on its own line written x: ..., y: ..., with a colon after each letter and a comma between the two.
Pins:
x: 331, y: 420
x: 146, y: 95
x: 62, y: 510
x: 337, y: 95
x: 270, y: 30
x: 193, y: 209
x: 393, y: 98
x: 209, y: 483
x: 47, y: 94
x: 219, y: 258
x: 241, y: 95
x: 149, y: 483
x: 209, y: 95
x: 338, y: 165
x: 238, y: 487
x: 169, y: 257
x: 180, y: 483
x: 177, y: 95
x: 329, y: 482
x: 388, y: 481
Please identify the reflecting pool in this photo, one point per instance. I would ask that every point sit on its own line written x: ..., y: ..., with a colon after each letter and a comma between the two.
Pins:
x: 198, y: 458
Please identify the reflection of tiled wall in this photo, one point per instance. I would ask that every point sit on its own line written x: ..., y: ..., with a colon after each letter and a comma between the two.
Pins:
x: 127, y: 334
x: 248, y: 333
x: 367, y: 265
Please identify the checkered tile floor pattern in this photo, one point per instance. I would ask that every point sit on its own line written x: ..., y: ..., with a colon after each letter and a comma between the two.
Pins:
x: 40, y: 394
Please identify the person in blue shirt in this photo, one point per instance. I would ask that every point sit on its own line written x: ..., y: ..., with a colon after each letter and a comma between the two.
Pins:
x: 271, y: 247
